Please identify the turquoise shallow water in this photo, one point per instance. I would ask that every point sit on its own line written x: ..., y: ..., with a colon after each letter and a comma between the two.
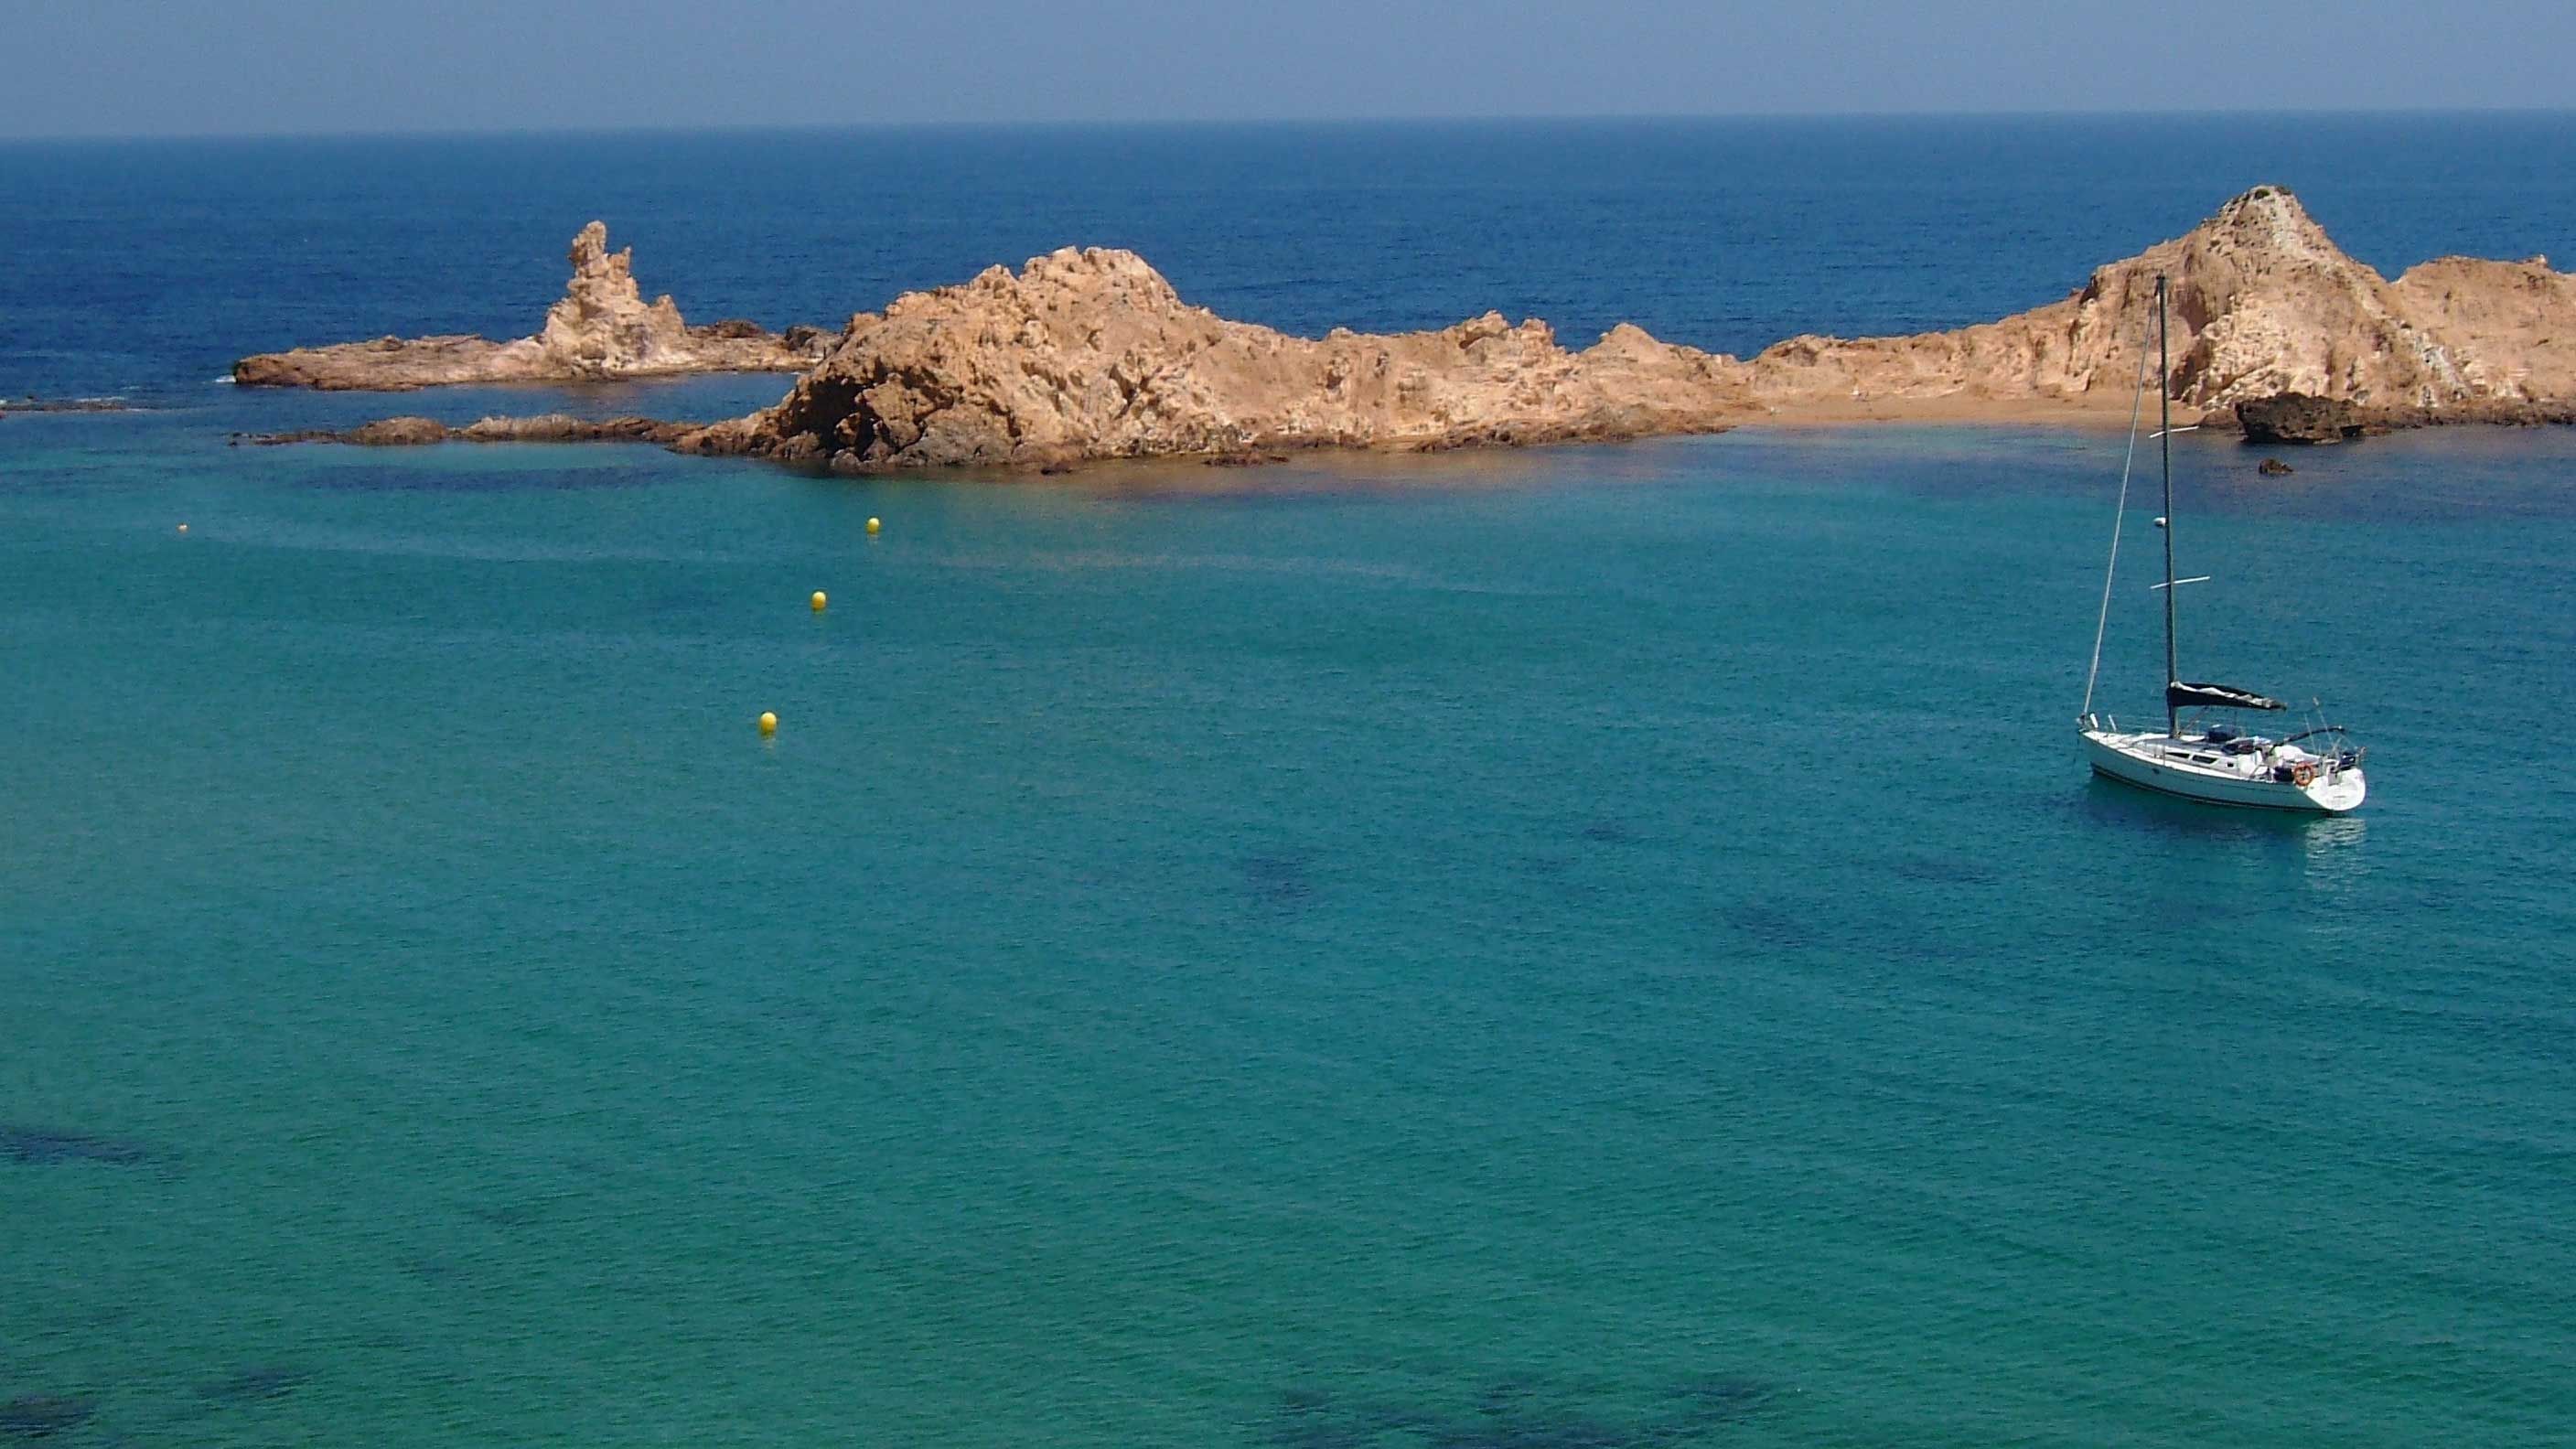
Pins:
x: 1575, y: 947
x: 1569, y: 948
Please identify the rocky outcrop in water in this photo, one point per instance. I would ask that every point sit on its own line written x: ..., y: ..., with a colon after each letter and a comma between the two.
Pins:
x: 600, y: 329
x: 1091, y: 354
x: 2263, y: 304
x: 1088, y: 355
x: 2298, y: 417
x: 405, y: 432
x: 33, y: 404
x: 2293, y: 417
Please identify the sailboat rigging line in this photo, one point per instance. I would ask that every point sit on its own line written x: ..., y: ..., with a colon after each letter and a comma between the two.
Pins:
x: 2137, y: 405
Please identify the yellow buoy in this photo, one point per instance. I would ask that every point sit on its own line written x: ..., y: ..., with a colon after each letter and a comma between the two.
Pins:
x: 873, y: 525
x: 768, y: 723
x: 819, y: 601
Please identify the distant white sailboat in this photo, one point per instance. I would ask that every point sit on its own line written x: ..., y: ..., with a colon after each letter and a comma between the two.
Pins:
x: 2316, y: 769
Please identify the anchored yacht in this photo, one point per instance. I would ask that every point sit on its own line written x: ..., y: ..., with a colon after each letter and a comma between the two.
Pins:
x: 2220, y: 762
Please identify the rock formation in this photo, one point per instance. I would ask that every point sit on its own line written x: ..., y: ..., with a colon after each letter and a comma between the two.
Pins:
x: 2263, y: 302
x: 2293, y: 417
x: 2298, y: 417
x: 2511, y: 326
x: 1088, y: 355
x: 34, y: 404
x: 548, y: 428
x: 601, y: 328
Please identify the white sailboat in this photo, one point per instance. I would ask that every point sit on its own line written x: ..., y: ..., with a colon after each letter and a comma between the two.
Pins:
x: 2219, y: 762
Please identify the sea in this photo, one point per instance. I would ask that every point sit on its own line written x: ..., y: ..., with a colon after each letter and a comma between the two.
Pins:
x: 1567, y: 948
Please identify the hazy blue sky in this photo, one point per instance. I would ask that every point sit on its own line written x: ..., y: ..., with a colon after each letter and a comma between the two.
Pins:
x: 123, y: 67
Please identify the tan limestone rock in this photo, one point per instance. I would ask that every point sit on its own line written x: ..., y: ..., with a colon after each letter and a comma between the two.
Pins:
x: 2511, y: 326
x: 600, y: 329
x: 1086, y: 355
x: 1091, y: 354
x: 2263, y: 302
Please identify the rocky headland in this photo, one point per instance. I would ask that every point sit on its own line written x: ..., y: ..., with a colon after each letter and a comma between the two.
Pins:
x: 2263, y: 303
x: 602, y: 328
x: 1090, y: 355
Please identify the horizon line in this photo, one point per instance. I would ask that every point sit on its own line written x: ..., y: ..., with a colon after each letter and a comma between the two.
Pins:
x: 1102, y: 123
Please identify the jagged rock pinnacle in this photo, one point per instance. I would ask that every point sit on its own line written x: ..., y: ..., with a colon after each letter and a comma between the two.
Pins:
x: 1091, y: 354
x: 600, y: 328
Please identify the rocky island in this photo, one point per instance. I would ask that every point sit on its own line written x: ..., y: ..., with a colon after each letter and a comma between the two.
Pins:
x: 1089, y: 355
x: 600, y: 329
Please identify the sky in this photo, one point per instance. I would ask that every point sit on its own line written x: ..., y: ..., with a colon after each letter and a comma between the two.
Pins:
x: 261, y: 67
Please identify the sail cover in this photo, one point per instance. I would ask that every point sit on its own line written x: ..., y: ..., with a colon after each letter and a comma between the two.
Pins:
x: 2181, y: 695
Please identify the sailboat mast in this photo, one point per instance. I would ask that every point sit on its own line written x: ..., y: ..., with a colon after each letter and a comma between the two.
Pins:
x: 2164, y: 442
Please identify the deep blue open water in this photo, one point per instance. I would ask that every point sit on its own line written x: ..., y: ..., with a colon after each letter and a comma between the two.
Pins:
x: 1579, y: 947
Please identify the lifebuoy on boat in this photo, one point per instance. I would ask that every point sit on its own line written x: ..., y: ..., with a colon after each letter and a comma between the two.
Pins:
x: 2303, y: 774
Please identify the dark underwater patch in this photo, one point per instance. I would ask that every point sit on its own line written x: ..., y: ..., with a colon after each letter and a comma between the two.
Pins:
x: 505, y: 1215
x: 1706, y: 1403
x: 254, y: 1384
x: 1279, y: 878
x: 1309, y: 1419
x: 1781, y: 925
x: 682, y: 599
x: 40, y: 1416
x: 1606, y: 831
x: 1944, y: 870
x: 41, y: 1146
x: 1519, y: 1413
x: 437, y: 1270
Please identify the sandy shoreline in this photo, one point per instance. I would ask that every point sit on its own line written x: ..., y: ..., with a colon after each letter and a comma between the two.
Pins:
x: 2084, y: 414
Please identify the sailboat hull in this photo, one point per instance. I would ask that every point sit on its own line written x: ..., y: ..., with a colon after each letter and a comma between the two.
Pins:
x: 2193, y: 770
